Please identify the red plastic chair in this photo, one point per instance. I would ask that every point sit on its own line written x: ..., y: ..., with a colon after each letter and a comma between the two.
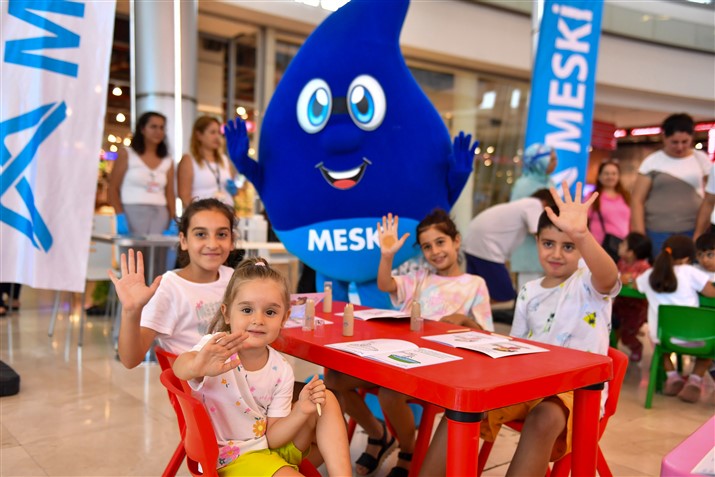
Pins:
x: 166, y: 360
x: 424, y: 433
x: 199, y: 438
x: 562, y: 467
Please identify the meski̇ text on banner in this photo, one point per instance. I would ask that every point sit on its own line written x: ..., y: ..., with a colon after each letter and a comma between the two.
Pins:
x: 563, y: 84
x: 54, y: 61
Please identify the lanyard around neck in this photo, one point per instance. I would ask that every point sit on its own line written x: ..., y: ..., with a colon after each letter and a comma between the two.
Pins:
x: 217, y: 174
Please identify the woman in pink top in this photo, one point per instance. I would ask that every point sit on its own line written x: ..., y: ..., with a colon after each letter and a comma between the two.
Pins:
x: 611, y: 208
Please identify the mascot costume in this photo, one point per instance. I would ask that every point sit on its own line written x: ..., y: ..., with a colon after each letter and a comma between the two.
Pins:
x: 348, y: 137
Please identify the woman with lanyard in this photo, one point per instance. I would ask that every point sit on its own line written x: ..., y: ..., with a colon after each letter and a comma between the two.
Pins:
x: 206, y: 172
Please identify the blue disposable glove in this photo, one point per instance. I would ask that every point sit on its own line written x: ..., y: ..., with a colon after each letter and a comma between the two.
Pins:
x: 122, y: 225
x: 173, y: 228
x: 231, y: 187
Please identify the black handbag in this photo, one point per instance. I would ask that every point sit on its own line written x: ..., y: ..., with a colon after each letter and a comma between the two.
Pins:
x: 610, y: 242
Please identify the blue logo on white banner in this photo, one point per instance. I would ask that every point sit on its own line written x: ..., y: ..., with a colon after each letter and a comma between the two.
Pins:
x: 55, y: 62
x: 563, y: 84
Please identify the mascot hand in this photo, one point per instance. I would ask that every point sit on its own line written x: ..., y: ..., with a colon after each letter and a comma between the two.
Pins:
x: 460, y: 165
x: 236, y: 140
x: 463, y: 152
x: 237, y: 144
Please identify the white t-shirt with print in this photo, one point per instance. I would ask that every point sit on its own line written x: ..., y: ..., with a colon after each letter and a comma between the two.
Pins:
x: 572, y: 314
x: 440, y: 296
x: 180, y: 311
x: 690, y: 282
x: 240, y: 427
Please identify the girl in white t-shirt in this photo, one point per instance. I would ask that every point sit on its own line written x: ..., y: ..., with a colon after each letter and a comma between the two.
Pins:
x: 248, y: 386
x: 674, y: 281
x: 178, y: 306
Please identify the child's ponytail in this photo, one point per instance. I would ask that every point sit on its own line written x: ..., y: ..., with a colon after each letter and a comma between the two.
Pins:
x: 676, y: 247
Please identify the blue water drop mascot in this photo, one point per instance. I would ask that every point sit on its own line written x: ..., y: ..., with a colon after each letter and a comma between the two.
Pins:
x: 347, y: 137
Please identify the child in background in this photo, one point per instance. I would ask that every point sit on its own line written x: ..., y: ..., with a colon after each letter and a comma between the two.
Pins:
x: 445, y: 294
x: 629, y: 314
x: 570, y: 307
x: 247, y: 386
x: 674, y: 281
x: 178, y: 306
x: 705, y: 253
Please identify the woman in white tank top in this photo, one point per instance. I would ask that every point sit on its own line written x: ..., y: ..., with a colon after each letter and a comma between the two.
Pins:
x: 206, y: 172
x: 141, y: 187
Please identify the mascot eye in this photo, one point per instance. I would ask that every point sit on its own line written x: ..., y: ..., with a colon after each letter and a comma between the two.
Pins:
x: 366, y: 102
x: 314, y: 105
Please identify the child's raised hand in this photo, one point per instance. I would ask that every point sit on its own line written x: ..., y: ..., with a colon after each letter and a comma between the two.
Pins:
x: 219, y: 355
x: 387, y: 231
x: 131, y: 287
x: 311, y: 395
x: 573, y: 213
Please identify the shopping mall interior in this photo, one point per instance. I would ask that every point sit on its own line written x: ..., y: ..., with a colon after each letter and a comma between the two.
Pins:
x: 81, y: 413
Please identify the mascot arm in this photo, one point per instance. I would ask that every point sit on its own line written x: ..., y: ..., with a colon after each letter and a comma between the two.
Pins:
x: 237, y: 145
x: 461, y: 162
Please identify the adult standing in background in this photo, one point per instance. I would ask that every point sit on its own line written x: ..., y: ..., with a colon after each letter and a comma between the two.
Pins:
x: 611, y: 212
x: 206, y: 172
x: 495, y: 233
x: 538, y: 163
x: 706, y: 214
x: 141, y: 187
x: 669, y: 188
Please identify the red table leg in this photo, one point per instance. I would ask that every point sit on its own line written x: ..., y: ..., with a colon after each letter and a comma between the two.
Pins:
x: 462, y: 442
x: 586, y: 409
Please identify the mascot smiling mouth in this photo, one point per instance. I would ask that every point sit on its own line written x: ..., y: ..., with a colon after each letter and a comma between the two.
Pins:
x: 344, y: 180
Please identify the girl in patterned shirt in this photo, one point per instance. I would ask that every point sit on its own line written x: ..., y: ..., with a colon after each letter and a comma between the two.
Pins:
x: 247, y: 387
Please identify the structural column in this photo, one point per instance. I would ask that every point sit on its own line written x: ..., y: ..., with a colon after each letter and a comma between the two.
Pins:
x: 464, y: 119
x: 164, y: 60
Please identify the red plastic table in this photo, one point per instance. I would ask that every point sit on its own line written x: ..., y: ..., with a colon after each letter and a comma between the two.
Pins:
x: 469, y: 387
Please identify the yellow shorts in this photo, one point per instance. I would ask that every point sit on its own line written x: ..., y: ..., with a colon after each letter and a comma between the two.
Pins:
x: 265, y: 462
x: 492, y: 423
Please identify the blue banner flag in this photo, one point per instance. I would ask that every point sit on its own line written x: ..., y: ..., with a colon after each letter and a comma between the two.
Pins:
x: 563, y: 84
x: 54, y: 58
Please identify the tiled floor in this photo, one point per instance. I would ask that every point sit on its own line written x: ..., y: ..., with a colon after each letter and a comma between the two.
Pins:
x: 82, y: 413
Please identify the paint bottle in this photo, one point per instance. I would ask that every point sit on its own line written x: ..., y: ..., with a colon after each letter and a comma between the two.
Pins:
x: 328, y: 298
x: 348, y: 320
x: 309, y: 320
x: 416, y: 321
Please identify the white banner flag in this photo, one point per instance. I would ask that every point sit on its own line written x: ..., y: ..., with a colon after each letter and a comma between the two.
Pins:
x: 54, y: 69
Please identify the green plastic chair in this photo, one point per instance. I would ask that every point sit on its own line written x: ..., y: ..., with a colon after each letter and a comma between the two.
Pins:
x: 685, y: 323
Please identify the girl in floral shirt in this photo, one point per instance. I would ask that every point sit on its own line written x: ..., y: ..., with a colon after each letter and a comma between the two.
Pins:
x: 246, y: 386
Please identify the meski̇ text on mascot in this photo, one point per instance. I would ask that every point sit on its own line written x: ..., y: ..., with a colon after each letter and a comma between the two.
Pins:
x: 347, y: 137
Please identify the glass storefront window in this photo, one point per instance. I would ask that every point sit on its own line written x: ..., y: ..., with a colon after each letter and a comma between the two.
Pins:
x: 501, y: 120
